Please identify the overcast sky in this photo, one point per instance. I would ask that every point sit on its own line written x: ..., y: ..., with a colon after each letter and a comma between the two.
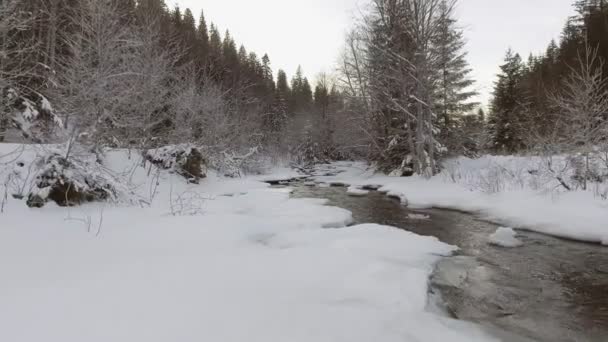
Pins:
x: 311, y: 32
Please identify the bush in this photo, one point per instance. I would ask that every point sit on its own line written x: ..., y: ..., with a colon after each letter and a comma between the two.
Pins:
x: 70, y: 182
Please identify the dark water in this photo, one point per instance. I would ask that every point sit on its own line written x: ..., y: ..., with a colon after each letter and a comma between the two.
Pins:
x: 548, y: 290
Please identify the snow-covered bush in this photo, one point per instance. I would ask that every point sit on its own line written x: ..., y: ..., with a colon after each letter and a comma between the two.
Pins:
x: 554, y: 174
x: 187, y: 203
x: 33, y: 118
x: 234, y: 165
x: 185, y: 160
x: 74, y: 181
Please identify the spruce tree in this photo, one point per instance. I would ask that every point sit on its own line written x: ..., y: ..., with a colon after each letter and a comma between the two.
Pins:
x: 176, y: 20
x: 506, y: 121
x: 282, y: 85
x: 203, y: 37
x: 454, y: 87
x: 215, y: 52
x: 189, y: 35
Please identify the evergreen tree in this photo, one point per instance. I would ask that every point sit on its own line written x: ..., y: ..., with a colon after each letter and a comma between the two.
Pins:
x: 267, y: 75
x: 282, y: 85
x: 454, y: 86
x: 230, y: 59
x: 215, y: 52
x: 203, y: 38
x: 301, y: 92
x: 453, y: 68
x: 189, y: 36
x: 506, y: 122
x: 176, y: 20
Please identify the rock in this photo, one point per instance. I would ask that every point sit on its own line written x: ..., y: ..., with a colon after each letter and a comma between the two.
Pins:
x: 418, y: 217
x: 505, y: 237
x: 184, y: 160
x: 356, y: 192
x: 402, y: 172
x: 192, y: 166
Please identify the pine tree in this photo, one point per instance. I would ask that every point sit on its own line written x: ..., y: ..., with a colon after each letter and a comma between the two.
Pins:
x: 282, y: 85
x: 453, y: 68
x: 506, y: 121
x: 215, y: 52
x: 267, y: 74
x: 176, y: 20
x: 189, y: 36
x: 454, y: 87
x: 230, y: 60
x: 301, y: 92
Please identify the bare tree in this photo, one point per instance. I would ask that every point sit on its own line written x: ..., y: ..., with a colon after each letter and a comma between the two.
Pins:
x: 582, y: 106
x: 117, y: 82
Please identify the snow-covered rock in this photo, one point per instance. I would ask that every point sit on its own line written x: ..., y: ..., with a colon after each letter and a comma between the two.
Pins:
x: 418, y: 217
x: 505, y: 237
x: 185, y: 160
x: 357, y: 192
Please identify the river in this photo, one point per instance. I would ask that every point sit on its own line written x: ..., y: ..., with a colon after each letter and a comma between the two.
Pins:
x: 548, y: 290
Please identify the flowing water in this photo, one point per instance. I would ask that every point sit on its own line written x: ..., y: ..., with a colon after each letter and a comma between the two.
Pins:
x: 548, y: 290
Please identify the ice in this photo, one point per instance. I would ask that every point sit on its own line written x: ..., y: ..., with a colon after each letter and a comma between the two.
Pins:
x: 505, y: 237
x: 418, y: 217
x: 356, y: 192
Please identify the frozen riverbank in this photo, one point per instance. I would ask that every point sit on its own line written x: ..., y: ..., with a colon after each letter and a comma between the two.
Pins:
x: 252, y: 265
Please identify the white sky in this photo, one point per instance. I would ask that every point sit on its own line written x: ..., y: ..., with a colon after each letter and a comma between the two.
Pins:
x: 311, y: 32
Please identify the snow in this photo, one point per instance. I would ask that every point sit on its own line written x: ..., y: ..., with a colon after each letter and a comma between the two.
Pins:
x: 418, y: 217
x: 356, y: 192
x: 45, y: 104
x: 505, y: 237
x: 256, y: 265
x: 29, y: 113
x: 521, y: 200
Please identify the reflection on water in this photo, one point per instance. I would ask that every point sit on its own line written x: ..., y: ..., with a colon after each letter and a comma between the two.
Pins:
x: 548, y: 290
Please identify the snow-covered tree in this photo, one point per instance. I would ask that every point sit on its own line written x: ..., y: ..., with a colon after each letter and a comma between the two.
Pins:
x: 392, y: 62
x: 582, y: 104
x: 454, y: 93
x: 506, y: 120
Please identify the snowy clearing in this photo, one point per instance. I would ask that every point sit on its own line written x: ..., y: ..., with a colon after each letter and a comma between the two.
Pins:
x: 505, y: 237
x: 254, y: 265
x: 524, y: 201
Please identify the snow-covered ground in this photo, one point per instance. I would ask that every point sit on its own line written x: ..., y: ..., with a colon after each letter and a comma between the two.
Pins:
x: 252, y: 265
x: 501, y: 189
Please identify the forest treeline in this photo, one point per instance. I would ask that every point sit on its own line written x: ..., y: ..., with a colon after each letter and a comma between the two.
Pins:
x: 140, y: 75
x: 556, y: 101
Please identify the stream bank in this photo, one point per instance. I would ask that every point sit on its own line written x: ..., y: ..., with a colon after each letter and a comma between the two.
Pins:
x: 549, y: 289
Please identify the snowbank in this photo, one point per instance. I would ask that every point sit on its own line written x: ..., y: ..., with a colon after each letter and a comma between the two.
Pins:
x: 505, y: 237
x: 524, y: 201
x: 252, y: 265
